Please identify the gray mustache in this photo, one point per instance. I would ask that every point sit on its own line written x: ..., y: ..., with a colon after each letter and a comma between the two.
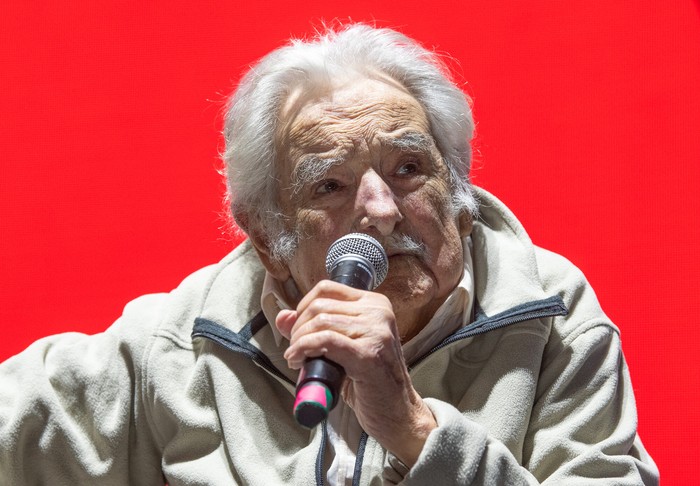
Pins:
x: 403, y: 243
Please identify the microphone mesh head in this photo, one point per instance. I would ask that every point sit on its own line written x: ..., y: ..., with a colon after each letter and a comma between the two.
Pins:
x: 364, y: 246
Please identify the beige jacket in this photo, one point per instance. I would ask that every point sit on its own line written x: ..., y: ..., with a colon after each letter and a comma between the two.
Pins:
x: 535, y: 390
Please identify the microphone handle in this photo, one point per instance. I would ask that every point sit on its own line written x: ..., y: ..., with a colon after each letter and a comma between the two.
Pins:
x: 318, y: 386
x: 318, y: 390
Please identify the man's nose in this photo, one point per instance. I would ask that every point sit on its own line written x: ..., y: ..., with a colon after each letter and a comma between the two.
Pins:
x: 375, y: 204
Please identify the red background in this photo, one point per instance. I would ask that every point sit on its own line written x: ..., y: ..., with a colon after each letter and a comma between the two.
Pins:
x: 588, y: 128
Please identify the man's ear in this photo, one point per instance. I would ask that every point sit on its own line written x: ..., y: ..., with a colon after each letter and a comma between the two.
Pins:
x: 262, y: 246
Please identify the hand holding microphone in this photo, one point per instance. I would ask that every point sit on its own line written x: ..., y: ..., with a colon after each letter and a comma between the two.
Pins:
x: 359, y: 261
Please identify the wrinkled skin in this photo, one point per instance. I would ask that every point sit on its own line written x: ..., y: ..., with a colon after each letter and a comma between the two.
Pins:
x: 375, y: 186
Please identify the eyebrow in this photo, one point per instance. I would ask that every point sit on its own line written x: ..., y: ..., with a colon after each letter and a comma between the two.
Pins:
x: 410, y: 142
x: 312, y: 168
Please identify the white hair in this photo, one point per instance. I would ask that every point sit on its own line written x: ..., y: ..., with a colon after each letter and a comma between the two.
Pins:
x: 253, y: 114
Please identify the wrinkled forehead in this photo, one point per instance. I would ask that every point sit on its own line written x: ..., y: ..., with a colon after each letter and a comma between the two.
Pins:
x: 320, y: 86
x: 343, y: 114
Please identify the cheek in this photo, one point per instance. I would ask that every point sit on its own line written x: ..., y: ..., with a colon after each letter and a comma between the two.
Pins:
x: 430, y: 207
x: 317, y: 232
x: 438, y: 228
x: 313, y: 222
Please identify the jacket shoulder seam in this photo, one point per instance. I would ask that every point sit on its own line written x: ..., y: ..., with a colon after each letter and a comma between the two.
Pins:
x: 589, y: 325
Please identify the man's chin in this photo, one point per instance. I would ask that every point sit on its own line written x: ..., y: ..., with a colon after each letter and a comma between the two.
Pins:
x: 406, y: 283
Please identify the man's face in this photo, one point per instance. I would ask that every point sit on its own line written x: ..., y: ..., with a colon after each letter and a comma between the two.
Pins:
x: 361, y: 158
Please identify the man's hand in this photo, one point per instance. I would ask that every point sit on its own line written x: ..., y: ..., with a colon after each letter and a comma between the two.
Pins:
x: 357, y: 330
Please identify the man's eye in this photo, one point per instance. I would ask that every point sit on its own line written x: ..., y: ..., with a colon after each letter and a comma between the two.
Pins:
x: 327, y: 187
x: 408, y: 168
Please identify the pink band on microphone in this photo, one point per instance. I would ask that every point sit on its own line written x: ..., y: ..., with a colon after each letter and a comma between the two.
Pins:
x: 313, y: 393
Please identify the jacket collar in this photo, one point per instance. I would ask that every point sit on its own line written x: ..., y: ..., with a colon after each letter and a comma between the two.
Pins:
x: 505, y: 265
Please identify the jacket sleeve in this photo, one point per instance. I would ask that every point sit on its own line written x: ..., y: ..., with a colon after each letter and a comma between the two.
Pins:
x: 72, y: 407
x: 583, y: 428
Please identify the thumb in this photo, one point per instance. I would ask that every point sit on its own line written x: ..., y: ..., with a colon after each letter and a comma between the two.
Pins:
x: 285, y: 322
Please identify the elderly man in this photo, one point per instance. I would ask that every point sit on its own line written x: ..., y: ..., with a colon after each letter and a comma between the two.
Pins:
x: 481, y: 359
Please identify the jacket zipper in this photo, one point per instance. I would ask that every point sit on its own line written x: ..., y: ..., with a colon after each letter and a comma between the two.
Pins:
x: 359, y: 458
x: 550, y: 307
x: 321, y: 454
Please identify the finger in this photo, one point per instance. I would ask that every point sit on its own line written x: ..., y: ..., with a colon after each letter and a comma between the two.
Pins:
x: 373, y: 346
x: 327, y: 321
x: 323, y: 306
x: 285, y: 321
x: 330, y: 290
x: 334, y: 346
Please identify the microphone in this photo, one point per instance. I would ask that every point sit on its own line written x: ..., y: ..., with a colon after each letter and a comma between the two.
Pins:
x: 359, y: 261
